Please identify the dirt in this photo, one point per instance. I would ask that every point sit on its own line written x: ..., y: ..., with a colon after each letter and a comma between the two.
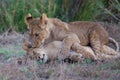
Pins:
x: 11, y: 67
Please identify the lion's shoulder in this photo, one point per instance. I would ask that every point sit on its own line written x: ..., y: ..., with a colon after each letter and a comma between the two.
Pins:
x: 58, y: 23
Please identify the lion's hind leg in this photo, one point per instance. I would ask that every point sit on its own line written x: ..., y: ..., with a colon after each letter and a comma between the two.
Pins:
x: 109, y: 51
x: 96, y: 44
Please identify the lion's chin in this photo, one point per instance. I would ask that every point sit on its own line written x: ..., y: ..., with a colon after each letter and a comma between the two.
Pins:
x: 45, y: 59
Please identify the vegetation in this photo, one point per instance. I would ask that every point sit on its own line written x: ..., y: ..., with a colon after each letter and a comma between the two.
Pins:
x: 12, y: 12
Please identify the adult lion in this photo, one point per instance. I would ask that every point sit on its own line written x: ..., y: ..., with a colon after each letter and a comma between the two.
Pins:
x: 79, y: 33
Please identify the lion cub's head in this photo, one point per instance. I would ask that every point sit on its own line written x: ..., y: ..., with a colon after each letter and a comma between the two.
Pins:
x: 38, y: 54
x: 37, y: 29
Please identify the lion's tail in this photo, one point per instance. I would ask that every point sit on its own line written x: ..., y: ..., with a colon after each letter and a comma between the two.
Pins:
x: 111, y: 40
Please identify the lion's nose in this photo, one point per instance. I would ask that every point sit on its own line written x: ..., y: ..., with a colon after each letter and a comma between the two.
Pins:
x: 29, y: 46
x: 42, y: 59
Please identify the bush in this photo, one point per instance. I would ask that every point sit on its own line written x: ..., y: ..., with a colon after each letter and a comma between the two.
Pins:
x: 12, y: 12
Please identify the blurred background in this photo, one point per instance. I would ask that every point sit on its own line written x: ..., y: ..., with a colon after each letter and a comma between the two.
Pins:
x: 12, y: 12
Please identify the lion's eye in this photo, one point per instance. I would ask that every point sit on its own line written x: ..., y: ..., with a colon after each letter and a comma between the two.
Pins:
x: 36, y: 35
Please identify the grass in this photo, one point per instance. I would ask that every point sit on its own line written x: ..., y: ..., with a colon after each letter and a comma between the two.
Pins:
x: 12, y: 12
x: 11, y: 45
x: 9, y: 52
x: 88, y: 70
x: 2, y: 78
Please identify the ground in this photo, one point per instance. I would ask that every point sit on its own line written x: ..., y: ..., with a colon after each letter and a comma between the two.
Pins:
x: 11, y: 50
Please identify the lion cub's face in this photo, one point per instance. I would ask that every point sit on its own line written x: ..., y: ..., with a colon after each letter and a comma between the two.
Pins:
x: 38, y: 54
x: 37, y: 29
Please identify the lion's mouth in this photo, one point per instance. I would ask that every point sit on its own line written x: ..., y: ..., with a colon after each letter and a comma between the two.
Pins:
x: 45, y: 58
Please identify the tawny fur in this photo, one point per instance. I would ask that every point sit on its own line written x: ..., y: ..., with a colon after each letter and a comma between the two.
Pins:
x: 46, y: 30
x: 50, y: 52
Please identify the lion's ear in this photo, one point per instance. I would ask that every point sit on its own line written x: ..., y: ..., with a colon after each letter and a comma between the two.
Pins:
x: 28, y: 18
x: 43, y: 19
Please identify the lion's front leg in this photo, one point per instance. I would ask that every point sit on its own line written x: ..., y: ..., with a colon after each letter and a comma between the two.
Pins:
x: 26, y: 46
x: 86, y: 51
x: 67, y: 43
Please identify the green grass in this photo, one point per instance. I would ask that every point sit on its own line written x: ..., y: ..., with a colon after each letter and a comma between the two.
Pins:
x: 9, y: 52
x: 2, y: 78
x: 12, y: 12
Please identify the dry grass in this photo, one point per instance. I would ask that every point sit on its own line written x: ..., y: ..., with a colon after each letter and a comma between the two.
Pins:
x: 34, y: 71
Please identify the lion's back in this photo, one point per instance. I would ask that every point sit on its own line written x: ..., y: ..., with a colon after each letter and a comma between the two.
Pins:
x: 85, y: 30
